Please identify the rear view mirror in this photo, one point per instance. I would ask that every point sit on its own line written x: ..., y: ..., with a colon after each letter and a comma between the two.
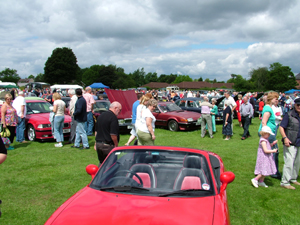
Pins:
x: 226, y: 178
x: 91, y: 170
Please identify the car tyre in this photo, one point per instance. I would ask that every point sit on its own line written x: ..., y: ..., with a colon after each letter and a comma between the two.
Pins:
x: 31, y: 133
x: 173, y: 125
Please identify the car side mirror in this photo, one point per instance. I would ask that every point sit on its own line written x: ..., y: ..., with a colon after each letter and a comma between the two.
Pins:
x: 226, y: 178
x: 92, y: 170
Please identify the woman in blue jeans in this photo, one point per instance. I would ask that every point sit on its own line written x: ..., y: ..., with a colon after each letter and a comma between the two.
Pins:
x: 59, y: 110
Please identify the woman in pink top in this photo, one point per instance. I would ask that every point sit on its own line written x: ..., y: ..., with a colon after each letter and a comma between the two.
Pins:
x: 239, y: 102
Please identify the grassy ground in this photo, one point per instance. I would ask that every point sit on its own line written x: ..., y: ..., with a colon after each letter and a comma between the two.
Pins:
x: 37, y: 178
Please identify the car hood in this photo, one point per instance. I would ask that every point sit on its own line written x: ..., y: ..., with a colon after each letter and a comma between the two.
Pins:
x: 44, y: 118
x: 126, y: 98
x: 92, y: 207
x: 185, y: 114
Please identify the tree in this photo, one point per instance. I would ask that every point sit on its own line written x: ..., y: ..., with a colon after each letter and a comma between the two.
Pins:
x: 61, y: 67
x: 259, y: 78
x: 151, y: 77
x: 139, y: 77
x: 181, y: 78
x: 39, y: 78
x: 200, y: 79
x: 9, y: 75
x: 31, y: 77
x: 281, y: 78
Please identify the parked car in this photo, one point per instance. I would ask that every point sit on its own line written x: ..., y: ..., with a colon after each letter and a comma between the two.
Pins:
x: 190, y: 104
x: 151, y: 185
x: 170, y: 115
x: 37, y: 121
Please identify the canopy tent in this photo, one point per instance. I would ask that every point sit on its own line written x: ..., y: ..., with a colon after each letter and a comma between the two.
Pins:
x: 292, y: 91
x: 98, y: 85
x: 10, y: 86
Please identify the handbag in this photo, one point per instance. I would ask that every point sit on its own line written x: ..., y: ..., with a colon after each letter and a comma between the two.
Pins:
x: 5, y: 132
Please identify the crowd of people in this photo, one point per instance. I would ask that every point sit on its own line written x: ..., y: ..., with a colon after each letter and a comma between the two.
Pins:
x: 276, y: 111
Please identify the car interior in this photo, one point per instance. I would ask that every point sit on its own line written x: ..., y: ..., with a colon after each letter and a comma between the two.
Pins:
x: 160, y: 171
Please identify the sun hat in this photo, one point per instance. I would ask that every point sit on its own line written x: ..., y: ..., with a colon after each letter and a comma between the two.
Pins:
x: 267, y: 129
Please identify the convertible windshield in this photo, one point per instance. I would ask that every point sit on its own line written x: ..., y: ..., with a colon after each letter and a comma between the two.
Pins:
x: 170, y: 107
x: 155, y: 172
x: 38, y: 107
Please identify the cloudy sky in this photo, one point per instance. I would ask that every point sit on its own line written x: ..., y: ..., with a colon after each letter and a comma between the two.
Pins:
x: 200, y: 38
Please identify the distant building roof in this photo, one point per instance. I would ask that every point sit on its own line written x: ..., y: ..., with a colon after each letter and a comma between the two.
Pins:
x: 156, y: 85
x: 190, y: 85
x: 297, y: 76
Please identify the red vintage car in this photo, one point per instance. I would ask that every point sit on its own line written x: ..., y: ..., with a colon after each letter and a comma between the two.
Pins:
x: 151, y: 185
x: 37, y: 121
x: 170, y: 115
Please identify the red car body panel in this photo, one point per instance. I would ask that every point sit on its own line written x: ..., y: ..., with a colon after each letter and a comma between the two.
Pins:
x: 91, y: 206
x: 133, y: 209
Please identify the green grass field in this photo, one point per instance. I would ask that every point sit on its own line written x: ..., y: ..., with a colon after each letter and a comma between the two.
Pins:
x: 37, y: 178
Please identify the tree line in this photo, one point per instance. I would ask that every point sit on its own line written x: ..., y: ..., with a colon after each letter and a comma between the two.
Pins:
x: 62, y: 68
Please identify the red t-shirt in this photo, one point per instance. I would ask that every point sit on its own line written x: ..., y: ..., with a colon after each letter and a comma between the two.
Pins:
x: 261, y: 106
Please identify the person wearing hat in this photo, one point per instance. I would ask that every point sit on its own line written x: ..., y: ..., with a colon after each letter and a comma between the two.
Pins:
x: 20, y: 106
x: 290, y: 132
x: 265, y: 164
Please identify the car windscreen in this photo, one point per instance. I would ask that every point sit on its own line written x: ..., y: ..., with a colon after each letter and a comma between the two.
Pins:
x: 170, y: 107
x: 38, y: 107
x: 155, y: 173
x: 101, y: 106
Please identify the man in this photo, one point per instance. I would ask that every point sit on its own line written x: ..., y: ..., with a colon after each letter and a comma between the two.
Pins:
x: 89, y: 125
x: 20, y: 105
x: 246, y: 115
x: 290, y: 132
x: 107, y: 131
x: 206, y: 118
x: 134, y: 108
x: 231, y: 104
x: 80, y: 115
x: 253, y: 101
x: 176, y: 97
x: 73, y: 101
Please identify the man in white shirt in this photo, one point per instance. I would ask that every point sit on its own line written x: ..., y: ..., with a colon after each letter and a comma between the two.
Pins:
x: 73, y: 101
x: 20, y: 105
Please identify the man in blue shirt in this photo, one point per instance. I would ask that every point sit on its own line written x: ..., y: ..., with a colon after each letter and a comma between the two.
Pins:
x: 290, y: 132
x: 134, y: 107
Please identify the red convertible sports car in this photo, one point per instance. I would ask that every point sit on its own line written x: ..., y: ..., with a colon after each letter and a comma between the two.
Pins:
x: 170, y: 115
x: 151, y: 185
x: 37, y: 121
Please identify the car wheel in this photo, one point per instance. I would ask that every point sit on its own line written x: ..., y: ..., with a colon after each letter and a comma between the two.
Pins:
x: 173, y: 125
x: 31, y: 133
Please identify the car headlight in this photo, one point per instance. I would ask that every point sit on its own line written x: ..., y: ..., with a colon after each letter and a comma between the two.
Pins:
x: 44, y: 125
x: 190, y: 119
x: 121, y: 122
x: 182, y: 120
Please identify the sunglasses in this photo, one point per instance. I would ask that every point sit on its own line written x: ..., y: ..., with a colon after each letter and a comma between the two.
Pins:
x: 297, y: 105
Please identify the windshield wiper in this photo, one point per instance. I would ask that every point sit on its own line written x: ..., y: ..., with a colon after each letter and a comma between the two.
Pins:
x: 182, y: 192
x: 124, y: 188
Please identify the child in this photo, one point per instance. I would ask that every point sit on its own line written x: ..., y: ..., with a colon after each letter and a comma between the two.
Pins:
x: 260, y: 107
x: 227, y: 121
x: 265, y: 164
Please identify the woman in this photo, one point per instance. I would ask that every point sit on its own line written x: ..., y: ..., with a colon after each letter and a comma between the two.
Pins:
x: 269, y: 119
x: 239, y: 102
x: 9, y: 121
x: 146, y: 129
x: 213, y: 113
x: 59, y: 117
x: 140, y: 108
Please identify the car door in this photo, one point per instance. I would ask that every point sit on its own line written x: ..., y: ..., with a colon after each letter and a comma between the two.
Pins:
x: 192, y: 106
x: 160, y: 116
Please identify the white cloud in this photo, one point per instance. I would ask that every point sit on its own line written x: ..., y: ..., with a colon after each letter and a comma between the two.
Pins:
x: 207, y: 38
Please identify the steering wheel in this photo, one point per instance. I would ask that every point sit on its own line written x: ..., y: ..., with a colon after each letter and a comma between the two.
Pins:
x: 134, y: 173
